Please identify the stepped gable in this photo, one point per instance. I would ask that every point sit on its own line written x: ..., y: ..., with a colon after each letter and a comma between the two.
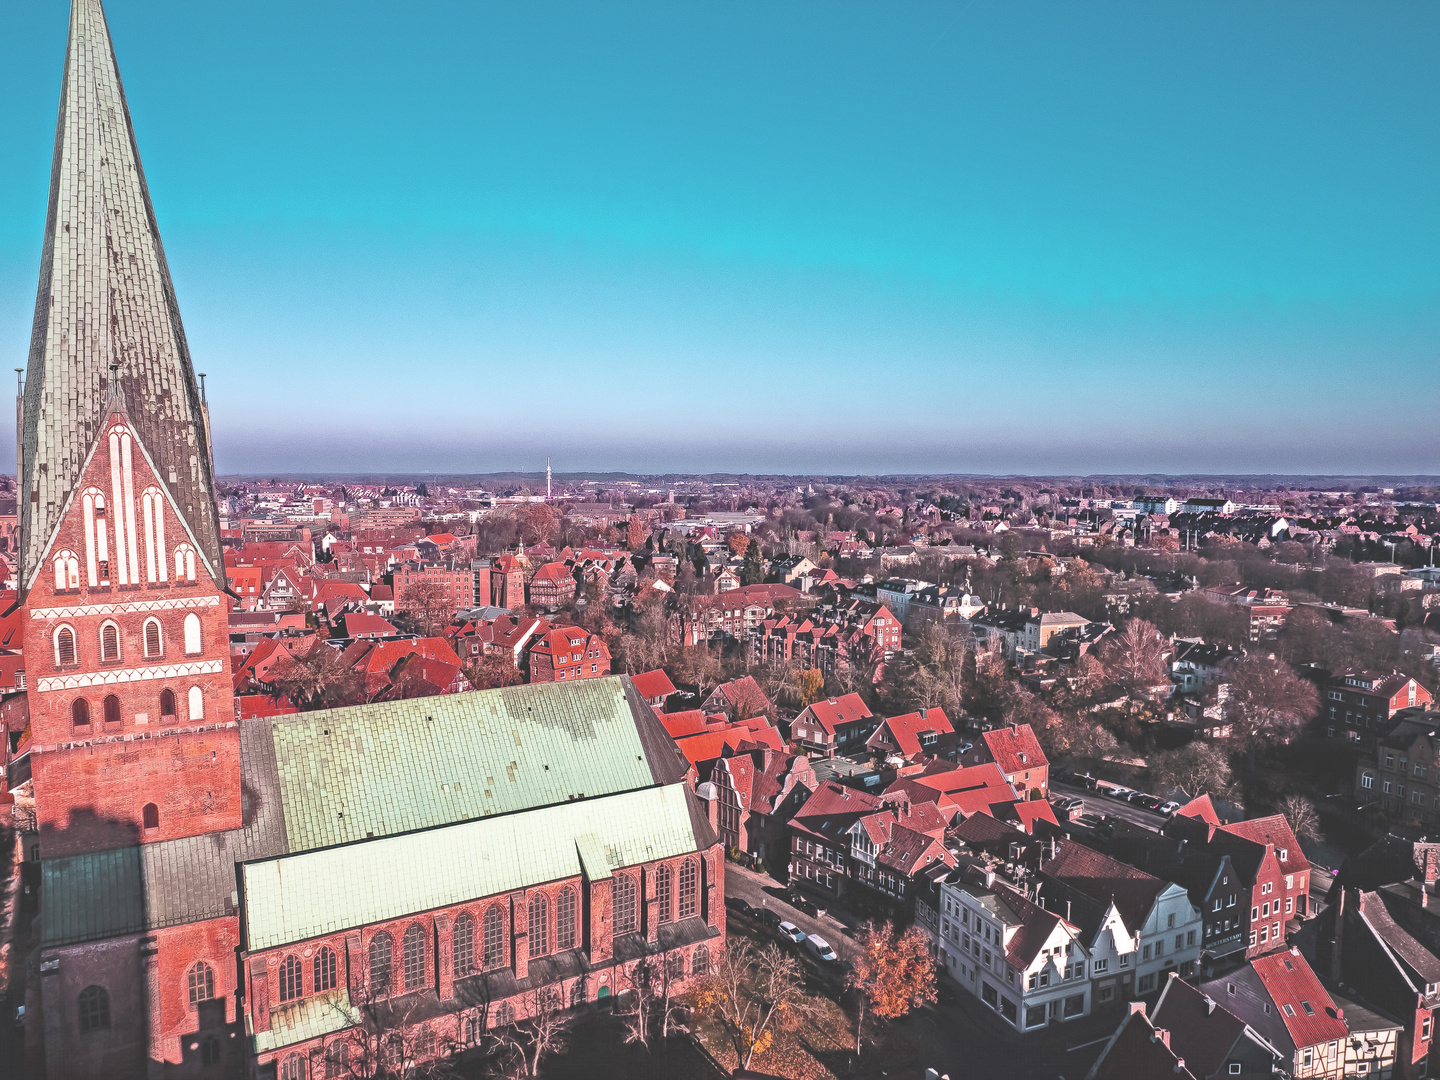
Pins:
x: 106, y: 299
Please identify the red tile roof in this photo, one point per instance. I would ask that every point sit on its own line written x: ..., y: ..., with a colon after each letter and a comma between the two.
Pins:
x: 1289, y: 981
x: 1200, y: 807
x: 1015, y: 749
x: 653, y: 684
x: 832, y: 713
x: 904, y: 731
x: 1266, y: 830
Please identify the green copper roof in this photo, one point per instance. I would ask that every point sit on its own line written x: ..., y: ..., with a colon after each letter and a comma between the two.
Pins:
x: 301, y: 896
x: 385, y: 768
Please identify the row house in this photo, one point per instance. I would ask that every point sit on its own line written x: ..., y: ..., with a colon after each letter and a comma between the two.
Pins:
x: 834, y: 726
x: 1272, y: 873
x: 1316, y: 1037
x: 848, y: 844
x: 755, y: 794
x: 568, y: 653
x: 1358, y: 705
x: 1401, y: 777
x: 1160, y: 928
x: 1025, y: 963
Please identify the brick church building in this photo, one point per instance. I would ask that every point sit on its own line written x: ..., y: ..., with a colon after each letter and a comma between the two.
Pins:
x: 260, y: 897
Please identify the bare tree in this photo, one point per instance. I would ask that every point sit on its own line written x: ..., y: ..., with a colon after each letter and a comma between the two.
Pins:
x: 650, y: 1000
x: 427, y: 605
x: 544, y: 1030
x: 1266, y: 702
x: 747, y: 990
x: 1135, y: 657
x: 383, y: 1039
x: 319, y: 680
x: 1301, y: 815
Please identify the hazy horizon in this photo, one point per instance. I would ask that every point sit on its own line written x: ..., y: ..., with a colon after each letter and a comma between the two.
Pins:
x: 1036, y: 239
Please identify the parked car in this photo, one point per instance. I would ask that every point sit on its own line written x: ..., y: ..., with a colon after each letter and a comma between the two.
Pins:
x: 1169, y: 809
x: 821, y: 948
x: 1063, y: 776
x: 800, y: 902
x: 1149, y: 802
x: 1067, y: 803
x: 739, y: 907
x: 767, y: 918
x: 1120, y: 792
x: 792, y: 932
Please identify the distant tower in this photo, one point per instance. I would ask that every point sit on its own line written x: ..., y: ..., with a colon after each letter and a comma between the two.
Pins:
x: 547, y: 479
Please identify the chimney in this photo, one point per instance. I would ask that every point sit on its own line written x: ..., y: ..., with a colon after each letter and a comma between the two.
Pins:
x: 1137, y: 1007
x: 1209, y: 1005
x: 1067, y: 910
x: 1179, y: 1065
x: 989, y: 878
x: 1161, y: 1036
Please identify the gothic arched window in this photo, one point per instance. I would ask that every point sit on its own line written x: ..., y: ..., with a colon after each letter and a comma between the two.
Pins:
x: 380, y: 950
x: 80, y: 712
x: 150, y: 815
x: 565, y: 919
x: 197, y: 703
x: 413, y: 953
x: 290, y: 978
x: 192, y: 634
x: 689, y: 893
x: 623, y: 903
x: 325, y: 969
x: 112, y: 709
x: 662, y: 892
x: 167, y: 706
x: 109, y: 643
x: 200, y: 983
x: 494, y: 937
x: 539, y: 925
x: 463, y: 946
x: 154, y: 642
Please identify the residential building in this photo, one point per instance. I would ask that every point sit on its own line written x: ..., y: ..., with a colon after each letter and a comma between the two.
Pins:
x: 568, y: 652
x: 1140, y: 1050
x: 455, y: 581
x: 834, y: 726
x: 1016, y: 750
x: 926, y: 733
x: 1357, y: 705
x: 1212, y: 1041
x: 1401, y: 776
x: 654, y: 687
x: 1027, y: 964
x: 552, y: 586
x: 757, y: 792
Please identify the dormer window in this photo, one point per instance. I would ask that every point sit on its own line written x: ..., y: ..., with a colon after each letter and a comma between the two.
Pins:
x: 1284, y: 854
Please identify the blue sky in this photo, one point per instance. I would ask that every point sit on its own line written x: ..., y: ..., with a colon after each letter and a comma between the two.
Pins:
x: 779, y: 237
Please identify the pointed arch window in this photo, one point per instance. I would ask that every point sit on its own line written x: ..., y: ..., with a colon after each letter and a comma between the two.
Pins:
x: 184, y: 563
x: 539, y: 925
x: 151, y: 816
x: 494, y: 937
x: 192, y: 634
x: 200, y: 983
x: 152, y: 505
x: 413, y: 957
x: 623, y: 903
x: 689, y: 904
x: 67, y: 571
x: 97, y: 542
x: 197, y: 703
x: 80, y: 712
x: 111, y: 708
x: 292, y: 1068
x: 662, y: 893
x: 381, y: 948
x: 463, y: 946
x: 290, y: 978
x: 167, y: 706
x: 65, y: 647
x: 154, y: 640
x: 326, y: 969
x: 109, y: 643
x: 565, y: 919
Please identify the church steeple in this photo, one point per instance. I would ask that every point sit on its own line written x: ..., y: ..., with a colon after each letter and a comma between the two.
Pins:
x: 106, y: 299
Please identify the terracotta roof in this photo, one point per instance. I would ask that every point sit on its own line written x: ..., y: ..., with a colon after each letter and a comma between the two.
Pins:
x: 1035, y: 926
x: 1015, y: 749
x: 973, y: 790
x: 833, y: 712
x: 1259, y: 832
x: 709, y: 745
x: 904, y: 732
x: 1200, y: 807
x: 1303, y: 1004
x: 358, y: 622
x: 653, y: 684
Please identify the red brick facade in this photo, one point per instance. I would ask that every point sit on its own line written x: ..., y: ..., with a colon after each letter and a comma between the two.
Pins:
x: 129, y: 666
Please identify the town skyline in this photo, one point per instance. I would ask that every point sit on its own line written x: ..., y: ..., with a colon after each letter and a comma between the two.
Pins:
x: 1003, y: 243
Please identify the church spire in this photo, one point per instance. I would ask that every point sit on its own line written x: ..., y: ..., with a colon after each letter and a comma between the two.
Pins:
x: 105, y: 300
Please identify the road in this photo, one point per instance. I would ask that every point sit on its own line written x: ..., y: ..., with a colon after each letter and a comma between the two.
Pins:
x: 1320, y: 879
